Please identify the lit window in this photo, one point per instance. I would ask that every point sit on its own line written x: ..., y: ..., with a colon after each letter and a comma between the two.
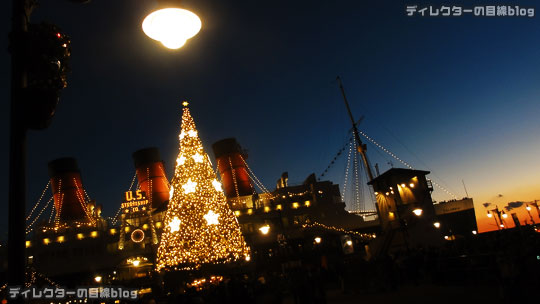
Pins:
x: 295, y: 205
x: 145, y: 226
x: 28, y: 244
x: 80, y: 236
x: 237, y: 213
x: 127, y: 229
x: 266, y: 209
x: 307, y: 203
x: 278, y: 207
x: 60, y: 239
x: 250, y: 211
x: 46, y: 241
x: 93, y: 234
x: 112, y: 231
x: 158, y: 225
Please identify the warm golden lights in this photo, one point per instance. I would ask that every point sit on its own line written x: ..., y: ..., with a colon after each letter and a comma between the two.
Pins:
x: 417, y: 211
x: 264, y: 229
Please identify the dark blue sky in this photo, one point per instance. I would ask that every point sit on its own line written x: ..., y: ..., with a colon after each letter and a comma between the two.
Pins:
x: 459, y: 96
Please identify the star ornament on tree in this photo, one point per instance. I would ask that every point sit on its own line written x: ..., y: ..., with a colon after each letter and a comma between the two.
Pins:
x: 217, y: 185
x: 198, y: 158
x: 189, y: 186
x: 211, y: 218
x: 180, y: 160
x: 175, y: 224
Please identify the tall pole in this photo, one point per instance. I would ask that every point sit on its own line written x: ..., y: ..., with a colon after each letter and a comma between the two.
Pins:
x: 361, y: 147
x: 17, y: 146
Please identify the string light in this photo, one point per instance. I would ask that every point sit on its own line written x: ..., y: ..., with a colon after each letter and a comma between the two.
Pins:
x: 366, y: 236
x: 402, y: 161
x: 234, y: 179
x: 356, y: 177
x: 29, y: 227
x: 82, y: 202
x: 61, y: 200
x: 39, y: 200
x: 254, y: 177
x: 209, y: 232
x: 347, y: 172
x: 51, y: 215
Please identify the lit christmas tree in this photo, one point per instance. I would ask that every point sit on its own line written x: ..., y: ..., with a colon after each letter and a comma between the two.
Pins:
x: 200, y: 227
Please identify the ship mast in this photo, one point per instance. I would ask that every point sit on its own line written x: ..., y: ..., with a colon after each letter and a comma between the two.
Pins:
x: 361, y: 147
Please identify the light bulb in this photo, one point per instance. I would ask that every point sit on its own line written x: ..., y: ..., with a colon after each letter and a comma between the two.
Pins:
x: 171, y: 26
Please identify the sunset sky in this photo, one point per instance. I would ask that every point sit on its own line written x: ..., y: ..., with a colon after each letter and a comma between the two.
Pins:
x: 459, y: 96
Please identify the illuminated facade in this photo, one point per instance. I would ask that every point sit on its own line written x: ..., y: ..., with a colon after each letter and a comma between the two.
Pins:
x: 406, y: 212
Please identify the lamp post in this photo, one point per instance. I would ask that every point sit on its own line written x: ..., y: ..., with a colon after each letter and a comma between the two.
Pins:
x: 17, y: 145
x: 19, y: 123
x: 500, y: 224
x: 500, y: 215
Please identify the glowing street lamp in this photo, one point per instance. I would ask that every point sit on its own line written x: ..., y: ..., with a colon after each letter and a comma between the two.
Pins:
x: 97, y: 278
x: 264, y: 229
x: 172, y: 26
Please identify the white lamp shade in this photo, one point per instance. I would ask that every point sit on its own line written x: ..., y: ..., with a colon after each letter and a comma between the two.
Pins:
x: 171, y: 26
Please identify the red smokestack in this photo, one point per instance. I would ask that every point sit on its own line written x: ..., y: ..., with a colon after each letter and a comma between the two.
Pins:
x: 151, y: 176
x: 230, y: 161
x: 68, y: 191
